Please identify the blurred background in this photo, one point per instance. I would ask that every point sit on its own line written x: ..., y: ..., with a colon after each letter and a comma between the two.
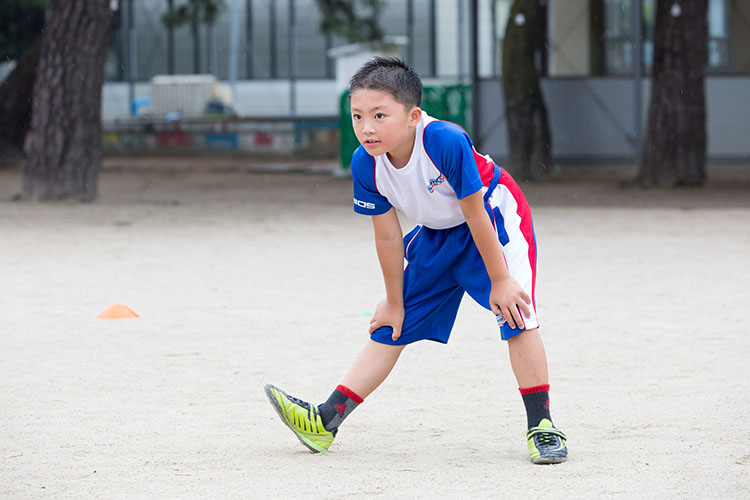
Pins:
x: 267, y: 78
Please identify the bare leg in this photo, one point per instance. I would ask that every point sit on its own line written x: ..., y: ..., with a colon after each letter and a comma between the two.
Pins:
x: 371, y: 367
x: 528, y: 359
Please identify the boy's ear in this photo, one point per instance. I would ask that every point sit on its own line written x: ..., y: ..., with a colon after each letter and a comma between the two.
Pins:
x: 415, y: 115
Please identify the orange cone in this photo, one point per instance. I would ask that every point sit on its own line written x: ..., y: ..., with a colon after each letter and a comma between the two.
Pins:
x: 118, y: 311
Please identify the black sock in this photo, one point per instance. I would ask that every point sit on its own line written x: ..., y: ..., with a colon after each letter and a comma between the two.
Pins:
x: 536, y: 400
x: 339, y: 405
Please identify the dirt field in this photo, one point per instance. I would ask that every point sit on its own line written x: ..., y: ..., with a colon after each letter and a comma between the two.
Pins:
x: 243, y: 277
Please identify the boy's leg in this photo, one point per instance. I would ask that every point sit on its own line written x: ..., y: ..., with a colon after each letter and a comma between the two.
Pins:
x: 431, y: 301
x: 369, y: 370
x: 528, y: 359
x: 529, y: 362
x: 511, y: 216
x: 316, y: 426
x: 371, y: 367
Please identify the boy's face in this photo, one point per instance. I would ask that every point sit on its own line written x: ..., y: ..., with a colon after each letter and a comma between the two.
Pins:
x: 382, y: 124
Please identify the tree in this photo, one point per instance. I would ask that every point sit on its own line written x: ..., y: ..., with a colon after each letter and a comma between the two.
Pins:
x: 66, y: 143
x: 194, y: 12
x: 528, y: 128
x: 675, y: 148
x: 343, y: 18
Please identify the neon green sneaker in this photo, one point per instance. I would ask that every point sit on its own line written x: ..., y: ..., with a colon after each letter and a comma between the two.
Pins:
x: 547, y: 444
x: 302, y: 418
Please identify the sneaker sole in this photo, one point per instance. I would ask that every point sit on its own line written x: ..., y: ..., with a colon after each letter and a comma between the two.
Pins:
x: 548, y: 460
x: 280, y: 412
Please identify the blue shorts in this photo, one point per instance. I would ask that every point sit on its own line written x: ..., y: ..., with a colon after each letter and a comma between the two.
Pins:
x: 442, y: 264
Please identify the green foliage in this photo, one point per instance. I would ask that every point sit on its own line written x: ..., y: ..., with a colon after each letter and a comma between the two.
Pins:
x: 21, y: 21
x: 205, y: 11
x: 355, y: 20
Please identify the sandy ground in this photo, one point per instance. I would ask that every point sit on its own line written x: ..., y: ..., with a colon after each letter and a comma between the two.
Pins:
x: 244, y: 277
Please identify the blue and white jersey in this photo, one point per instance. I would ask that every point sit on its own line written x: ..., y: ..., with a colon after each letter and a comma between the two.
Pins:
x: 444, y: 167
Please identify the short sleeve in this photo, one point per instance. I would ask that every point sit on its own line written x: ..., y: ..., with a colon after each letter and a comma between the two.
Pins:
x: 451, y: 150
x: 367, y: 198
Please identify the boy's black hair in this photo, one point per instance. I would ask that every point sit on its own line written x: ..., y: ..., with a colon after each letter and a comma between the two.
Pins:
x: 392, y: 75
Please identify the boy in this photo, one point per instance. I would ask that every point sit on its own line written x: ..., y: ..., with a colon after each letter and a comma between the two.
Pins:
x: 474, y: 234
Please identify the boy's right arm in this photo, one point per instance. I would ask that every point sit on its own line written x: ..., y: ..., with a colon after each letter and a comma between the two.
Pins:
x: 389, y: 244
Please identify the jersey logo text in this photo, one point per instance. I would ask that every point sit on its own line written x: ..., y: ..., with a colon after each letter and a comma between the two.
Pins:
x: 435, y: 182
x: 364, y: 204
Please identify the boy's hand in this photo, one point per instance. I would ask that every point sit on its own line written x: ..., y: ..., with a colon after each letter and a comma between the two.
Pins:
x: 388, y: 314
x: 506, y: 298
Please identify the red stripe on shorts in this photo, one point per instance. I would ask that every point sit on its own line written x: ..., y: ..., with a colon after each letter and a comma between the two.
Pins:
x: 527, y: 226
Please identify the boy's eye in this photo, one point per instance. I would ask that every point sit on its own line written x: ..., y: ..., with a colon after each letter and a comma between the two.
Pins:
x: 356, y: 116
x: 379, y: 116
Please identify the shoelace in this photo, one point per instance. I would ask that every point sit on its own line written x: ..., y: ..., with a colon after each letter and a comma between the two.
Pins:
x: 303, y: 404
x: 545, y: 439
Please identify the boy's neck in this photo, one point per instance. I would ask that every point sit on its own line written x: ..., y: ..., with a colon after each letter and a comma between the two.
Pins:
x: 399, y: 159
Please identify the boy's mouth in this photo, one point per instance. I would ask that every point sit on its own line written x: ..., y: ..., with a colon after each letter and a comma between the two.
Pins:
x: 371, y: 142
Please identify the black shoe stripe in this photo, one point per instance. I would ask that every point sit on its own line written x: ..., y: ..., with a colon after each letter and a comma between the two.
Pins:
x: 544, y: 430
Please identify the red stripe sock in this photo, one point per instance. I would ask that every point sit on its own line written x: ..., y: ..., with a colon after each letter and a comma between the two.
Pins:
x: 532, y: 390
x: 338, y: 406
x: 350, y: 394
x: 536, y: 401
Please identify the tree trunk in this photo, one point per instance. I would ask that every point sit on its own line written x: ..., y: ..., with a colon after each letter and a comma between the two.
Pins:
x: 170, y: 41
x: 528, y: 127
x: 15, y: 103
x: 195, y: 30
x: 596, y: 37
x: 66, y: 143
x: 675, y: 149
x: 210, y: 49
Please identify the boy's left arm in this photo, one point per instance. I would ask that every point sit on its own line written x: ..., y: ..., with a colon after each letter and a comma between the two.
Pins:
x: 506, y: 296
